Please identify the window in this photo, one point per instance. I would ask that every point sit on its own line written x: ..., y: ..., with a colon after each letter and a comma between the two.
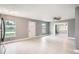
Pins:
x: 10, y: 28
x: 44, y: 28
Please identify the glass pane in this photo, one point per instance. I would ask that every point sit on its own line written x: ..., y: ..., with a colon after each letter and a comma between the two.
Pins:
x: 10, y: 27
x: 44, y: 28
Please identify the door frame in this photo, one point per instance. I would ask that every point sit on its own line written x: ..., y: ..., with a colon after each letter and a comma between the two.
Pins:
x: 60, y: 23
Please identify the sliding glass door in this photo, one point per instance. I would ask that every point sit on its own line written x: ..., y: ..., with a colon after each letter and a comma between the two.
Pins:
x: 44, y: 27
x: 10, y: 28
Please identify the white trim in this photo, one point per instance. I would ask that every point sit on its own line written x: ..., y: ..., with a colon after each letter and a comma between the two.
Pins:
x: 76, y: 51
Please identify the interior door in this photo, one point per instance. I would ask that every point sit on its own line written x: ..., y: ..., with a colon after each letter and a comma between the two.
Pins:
x: 32, y: 29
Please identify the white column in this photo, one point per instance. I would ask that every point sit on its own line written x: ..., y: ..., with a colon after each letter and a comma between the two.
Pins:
x: 52, y: 28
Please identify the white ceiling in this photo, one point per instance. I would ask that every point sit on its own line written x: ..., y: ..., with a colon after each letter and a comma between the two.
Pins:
x: 40, y: 11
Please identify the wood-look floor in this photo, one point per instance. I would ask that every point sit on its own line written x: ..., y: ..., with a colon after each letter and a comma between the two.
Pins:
x: 42, y: 45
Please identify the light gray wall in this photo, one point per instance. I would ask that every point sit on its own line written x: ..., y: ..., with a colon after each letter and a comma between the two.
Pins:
x: 77, y: 27
x: 39, y: 27
x: 71, y: 28
x: 22, y: 26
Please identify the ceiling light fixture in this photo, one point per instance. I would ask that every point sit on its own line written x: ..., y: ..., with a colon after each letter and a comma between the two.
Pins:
x: 57, y: 18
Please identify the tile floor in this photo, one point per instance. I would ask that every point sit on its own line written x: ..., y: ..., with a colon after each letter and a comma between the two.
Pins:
x: 42, y: 45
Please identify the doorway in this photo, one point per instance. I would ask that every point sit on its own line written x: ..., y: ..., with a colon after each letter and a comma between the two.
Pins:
x: 61, y: 28
x: 32, y: 29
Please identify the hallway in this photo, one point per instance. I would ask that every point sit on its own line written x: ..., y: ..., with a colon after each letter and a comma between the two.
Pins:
x: 42, y: 45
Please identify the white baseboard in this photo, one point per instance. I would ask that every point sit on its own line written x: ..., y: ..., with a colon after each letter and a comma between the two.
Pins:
x: 72, y: 38
x: 17, y: 40
x: 76, y: 51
